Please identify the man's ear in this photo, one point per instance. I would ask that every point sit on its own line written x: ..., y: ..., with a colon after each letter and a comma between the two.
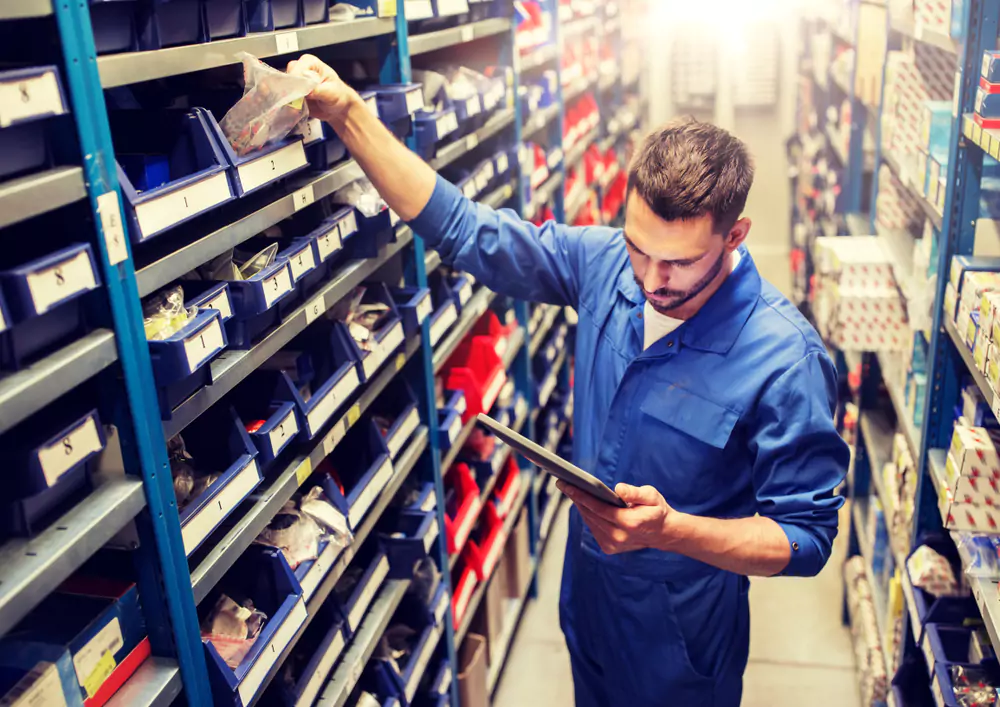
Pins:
x: 738, y: 233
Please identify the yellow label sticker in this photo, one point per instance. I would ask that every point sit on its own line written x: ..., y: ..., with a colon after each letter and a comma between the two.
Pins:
x: 400, y: 361
x: 304, y: 471
x: 296, y: 104
x: 105, y: 666
x: 354, y: 414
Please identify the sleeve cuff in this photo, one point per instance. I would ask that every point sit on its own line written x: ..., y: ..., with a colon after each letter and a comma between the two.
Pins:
x: 428, y: 223
x: 806, y: 559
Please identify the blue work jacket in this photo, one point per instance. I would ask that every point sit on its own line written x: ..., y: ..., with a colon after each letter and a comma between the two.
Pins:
x: 729, y: 416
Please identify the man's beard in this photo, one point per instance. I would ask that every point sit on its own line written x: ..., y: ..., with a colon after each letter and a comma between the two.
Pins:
x: 682, y: 297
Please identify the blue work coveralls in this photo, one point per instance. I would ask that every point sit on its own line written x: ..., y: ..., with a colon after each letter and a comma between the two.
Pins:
x: 729, y: 416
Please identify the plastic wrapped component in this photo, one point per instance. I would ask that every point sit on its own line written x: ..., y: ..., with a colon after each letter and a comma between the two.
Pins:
x: 979, y: 553
x: 302, y: 526
x: 363, y: 196
x: 273, y: 104
x: 164, y: 314
x: 932, y: 572
x: 232, y: 628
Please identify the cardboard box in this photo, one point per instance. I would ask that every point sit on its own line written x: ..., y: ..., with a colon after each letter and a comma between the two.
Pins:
x: 981, y: 351
x: 974, y: 452
x: 966, y: 516
x: 988, y: 306
x: 971, y: 330
x: 981, y: 491
x: 977, y: 284
x: 951, y: 302
x: 517, y: 559
x: 472, y: 690
x: 962, y: 264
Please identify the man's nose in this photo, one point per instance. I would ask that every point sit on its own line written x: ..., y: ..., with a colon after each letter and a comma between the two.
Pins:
x: 655, y: 279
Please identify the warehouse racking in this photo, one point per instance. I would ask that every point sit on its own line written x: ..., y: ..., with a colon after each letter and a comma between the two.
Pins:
x: 134, y: 505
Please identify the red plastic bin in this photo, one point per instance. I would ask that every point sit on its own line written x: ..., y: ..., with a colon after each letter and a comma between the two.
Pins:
x: 485, y: 554
x: 457, y: 528
x: 477, y: 371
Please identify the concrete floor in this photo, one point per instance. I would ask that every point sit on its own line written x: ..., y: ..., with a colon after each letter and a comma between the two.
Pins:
x: 800, y: 654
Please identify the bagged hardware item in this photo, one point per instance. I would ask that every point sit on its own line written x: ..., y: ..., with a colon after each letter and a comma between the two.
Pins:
x: 363, y: 196
x: 396, y: 644
x: 232, y: 628
x: 363, y: 319
x: 163, y: 314
x: 273, y: 104
x: 980, y: 553
x: 426, y: 579
x: 973, y: 687
x: 188, y: 484
x: 932, y: 573
x: 301, y: 526
x: 238, y: 265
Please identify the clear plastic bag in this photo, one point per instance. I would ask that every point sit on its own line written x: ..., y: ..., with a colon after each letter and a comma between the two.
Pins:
x: 273, y: 104
x: 302, y: 525
x: 363, y: 196
x: 233, y: 628
x: 164, y: 314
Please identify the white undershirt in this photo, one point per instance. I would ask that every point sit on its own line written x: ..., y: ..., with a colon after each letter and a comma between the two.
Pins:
x: 656, y: 325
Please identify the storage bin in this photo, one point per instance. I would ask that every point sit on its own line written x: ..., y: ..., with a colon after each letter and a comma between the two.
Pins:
x: 472, y: 690
x: 325, y: 242
x: 261, y: 167
x: 943, y: 644
x: 51, y: 457
x: 271, y: 423
x: 386, y: 339
x: 485, y: 469
x: 353, y: 601
x: 170, y: 167
x: 24, y: 148
x: 315, y: 12
x: 327, y: 153
x: 40, y: 96
x: 942, y: 610
x: 270, y: 15
x: 225, y: 18
x: 180, y: 361
x: 114, y: 25
x: 427, y: 612
x: 215, y: 297
x: 445, y: 312
x: 462, y: 506
x: 323, y: 642
x: 457, y: 286
x: 431, y: 127
x: 311, y: 573
x: 397, y: 102
x: 486, y: 543
x: 508, y: 487
x: 942, y: 687
x: 477, y: 371
x: 425, y: 500
x: 218, y: 444
x: 375, y: 8
x: 489, y: 325
x: 369, y: 234
x: 261, y: 574
x: 171, y: 23
x: 414, y: 305
x: 440, y: 685
x: 43, y: 303
x: 518, y: 569
x: 356, y: 472
x: 402, y: 677
x: 324, y: 365
x: 398, y: 406
x: 255, y: 303
x: 464, y: 587
x: 408, y: 537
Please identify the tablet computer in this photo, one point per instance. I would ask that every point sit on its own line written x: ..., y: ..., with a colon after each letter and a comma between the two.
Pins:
x: 553, y: 464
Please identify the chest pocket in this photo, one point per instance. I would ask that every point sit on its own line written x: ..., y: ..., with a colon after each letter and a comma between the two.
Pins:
x: 683, y: 452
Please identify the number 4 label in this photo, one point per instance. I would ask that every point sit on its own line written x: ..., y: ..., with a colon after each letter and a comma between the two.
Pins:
x: 109, y: 210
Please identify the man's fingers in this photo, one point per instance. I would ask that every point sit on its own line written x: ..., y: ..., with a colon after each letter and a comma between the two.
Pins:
x: 585, y: 500
x: 638, y: 495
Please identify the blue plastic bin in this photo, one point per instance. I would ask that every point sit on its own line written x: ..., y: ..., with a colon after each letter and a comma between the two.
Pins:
x: 431, y: 127
x: 225, y: 19
x: 180, y: 362
x: 408, y: 537
x: 386, y: 340
x: 170, y: 167
x: 114, y: 25
x: 270, y: 15
x: 315, y: 12
x: 218, y: 443
x: 397, y: 102
x: 50, y: 458
x: 310, y: 574
x: 255, y: 303
x: 363, y: 467
x: 414, y: 305
x: 353, y: 602
x: 397, y: 404
x: 324, y: 641
x: 444, y: 316
x: 43, y: 303
x: 25, y: 137
x: 326, y: 367
x: 261, y: 575
x: 271, y: 423
x: 171, y: 23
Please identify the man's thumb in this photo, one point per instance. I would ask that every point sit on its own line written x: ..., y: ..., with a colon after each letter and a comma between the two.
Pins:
x: 638, y: 495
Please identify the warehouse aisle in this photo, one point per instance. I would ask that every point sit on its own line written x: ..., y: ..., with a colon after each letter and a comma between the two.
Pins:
x: 799, y: 651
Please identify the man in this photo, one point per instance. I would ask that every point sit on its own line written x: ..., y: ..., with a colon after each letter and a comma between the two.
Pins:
x: 702, y: 396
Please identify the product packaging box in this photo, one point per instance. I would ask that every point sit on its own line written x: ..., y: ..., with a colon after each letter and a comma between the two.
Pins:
x: 978, y: 491
x: 974, y: 453
x: 962, y: 264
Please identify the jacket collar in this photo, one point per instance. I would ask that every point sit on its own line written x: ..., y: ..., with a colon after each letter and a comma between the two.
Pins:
x: 717, y: 324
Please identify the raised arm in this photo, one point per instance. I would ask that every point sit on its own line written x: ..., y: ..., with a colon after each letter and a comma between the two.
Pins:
x: 509, y: 255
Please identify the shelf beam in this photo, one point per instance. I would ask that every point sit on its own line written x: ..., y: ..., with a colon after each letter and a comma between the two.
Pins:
x: 495, y: 125
x: 36, y: 194
x: 432, y: 41
x: 156, y: 683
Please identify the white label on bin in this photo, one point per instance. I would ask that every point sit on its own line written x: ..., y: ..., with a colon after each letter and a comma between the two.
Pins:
x: 54, y: 284
x: 318, y: 678
x: 318, y: 416
x: 204, y: 521
x: 424, y: 308
x: 59, y: 457
x: 490, y: 396
x: 319, y: 569
x: 431, y: 536
x: 925, y: 646
x: 398, y: 439
x: 334, y: 436
x: 29, y: 98
x: 107, y: 640
x: 329, y: 243
x: 460, y: 406
x: 302, y: 263
x: 3, y: 322
x: 274, y: 165
x: 371, y: 492
x: 454, y: 429
x: 414, y: 100
x: 199, y: 347
x: 911, y: 605
x: 443, y: 684
x: 464, y: 595
x: 159, y: 214
x: 303, y: 197
x: 275, y: 286
x: 421, y: 662
x: 547, y: 388
x: 113, y: 231
x: 221, y: 304
x: 938, y: 695
x: 443, y: 323
x: 282, y: 434
x: 465, y: 293
x: 311, y: 131
x: 361, y: 605
x: 473, y: 106
x: 429, y: 503
x: 469, y: 189
x: 348, y: 224
x: 499, y: 457
x: 500, y: 347
x: 503, y: 163
x: 314, y: 307
x: 41, y: 687
x: 468, y: 33
x: 258, y: 671
x: 520, y: 408
x: 512, y: 493
x: 286, y: 42
x: 440, y: 609
x: 465, y: 527
x: 372, y: 105
x: 494, y: 554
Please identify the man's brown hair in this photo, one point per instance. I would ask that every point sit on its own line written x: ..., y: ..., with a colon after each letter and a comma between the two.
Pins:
x: 688, y: 169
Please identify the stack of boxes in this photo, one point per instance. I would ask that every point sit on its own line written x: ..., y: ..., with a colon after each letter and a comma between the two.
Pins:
x: 857, y: 304
x: 971, y: 300
x: 897, y: 208
x: 987, y: 106
x: 970, y: 499
x: 932, y: 151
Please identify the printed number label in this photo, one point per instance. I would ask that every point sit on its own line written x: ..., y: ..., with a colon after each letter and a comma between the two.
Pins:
x: 53, y: 285
x: 303, y: 197
x: 468, y: 33
x: 314, y: 308
x: 30, y: 98
x: 201, y: 346
x: 329, y: 243
x: 109, y: 211
x: 277, y: 285
x: 287, y: 42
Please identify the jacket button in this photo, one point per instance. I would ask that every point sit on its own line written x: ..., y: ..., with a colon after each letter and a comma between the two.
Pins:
x: 795, y: 546
x: 670, y: 344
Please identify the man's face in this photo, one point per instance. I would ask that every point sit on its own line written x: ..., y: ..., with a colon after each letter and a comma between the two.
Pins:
x: 674, y: 261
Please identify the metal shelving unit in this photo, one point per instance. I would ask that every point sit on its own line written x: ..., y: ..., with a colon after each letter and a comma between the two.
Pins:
x: 36, y: 194
x: 433, y: 41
